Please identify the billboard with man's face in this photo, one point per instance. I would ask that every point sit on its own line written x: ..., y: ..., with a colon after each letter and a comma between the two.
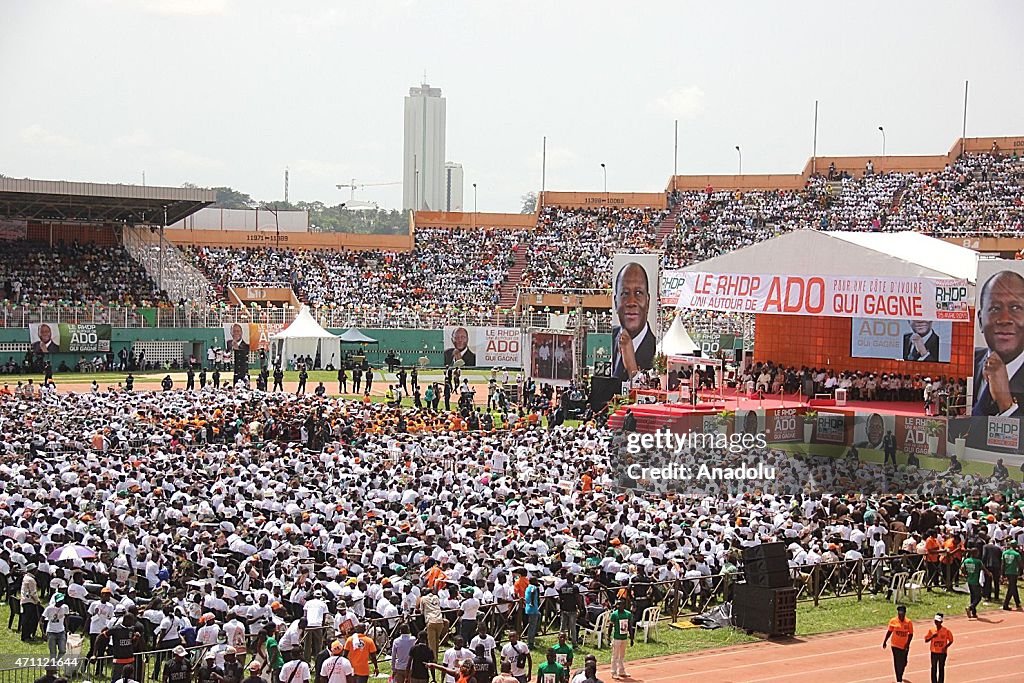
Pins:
x: 998, y: 381
x: 244, y: 337
x: 483, y: 347
x: 634, y: 313
x: 913, y: 340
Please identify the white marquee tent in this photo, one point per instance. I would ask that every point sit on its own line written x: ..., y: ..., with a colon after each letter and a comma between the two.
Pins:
x: 677, y: 341
x: 305, y: 337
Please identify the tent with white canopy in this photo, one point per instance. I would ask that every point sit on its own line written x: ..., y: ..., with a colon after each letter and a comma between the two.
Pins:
x: 677, y: 341
x: 305, y: 337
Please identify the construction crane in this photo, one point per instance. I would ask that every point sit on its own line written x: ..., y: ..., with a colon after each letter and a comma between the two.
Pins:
x: 353, y: 186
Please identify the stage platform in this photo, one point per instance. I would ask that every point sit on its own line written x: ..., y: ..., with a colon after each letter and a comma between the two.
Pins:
x: 652, y: 416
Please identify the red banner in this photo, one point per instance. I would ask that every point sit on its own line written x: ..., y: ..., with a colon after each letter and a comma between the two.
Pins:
x: 912, y: 436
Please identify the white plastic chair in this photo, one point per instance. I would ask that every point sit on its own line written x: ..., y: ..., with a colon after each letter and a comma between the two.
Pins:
x: 600, y: 627
x: 649, y: 622
x: 914, y: 586
x: 898, y: 586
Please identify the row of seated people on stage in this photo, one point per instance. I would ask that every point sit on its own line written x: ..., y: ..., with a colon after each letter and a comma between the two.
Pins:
x: 939, y: 394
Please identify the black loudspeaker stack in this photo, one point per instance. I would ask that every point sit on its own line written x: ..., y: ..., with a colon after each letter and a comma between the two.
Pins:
x: 766, y: 601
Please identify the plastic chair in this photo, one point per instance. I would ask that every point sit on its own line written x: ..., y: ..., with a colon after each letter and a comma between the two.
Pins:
x: 898, y: 586
x: 649, y: 622
x: 914, y: 585
x: 600, y: 627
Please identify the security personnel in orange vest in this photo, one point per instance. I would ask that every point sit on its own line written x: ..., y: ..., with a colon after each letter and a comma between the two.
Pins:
x: 939, y: 639
x: 901, y: 630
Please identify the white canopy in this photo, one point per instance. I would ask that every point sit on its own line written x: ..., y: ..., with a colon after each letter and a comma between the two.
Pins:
x: 816, y: 252
x: 305, y: 337
x: 677, y: 341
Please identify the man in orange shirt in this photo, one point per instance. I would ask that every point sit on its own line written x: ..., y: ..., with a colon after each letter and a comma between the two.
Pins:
x: 360, y: 649
x: 901, y: 630
x: 932, y: 550
x: 939, y: 639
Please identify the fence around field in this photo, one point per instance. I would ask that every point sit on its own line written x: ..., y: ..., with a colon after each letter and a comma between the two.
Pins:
x: 335, y: 318
x: 676, y: 599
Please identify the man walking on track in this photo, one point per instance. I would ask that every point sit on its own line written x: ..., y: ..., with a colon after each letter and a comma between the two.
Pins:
x: 901, y: 630
x: 939, y: 638
x: 973, y: 569
x: 1011, y: 570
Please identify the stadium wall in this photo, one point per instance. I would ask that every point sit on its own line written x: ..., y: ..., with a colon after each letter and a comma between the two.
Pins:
x: 460, y: 220
x: 335, y: 241
x: 823, y: 342
x: 575, y: 200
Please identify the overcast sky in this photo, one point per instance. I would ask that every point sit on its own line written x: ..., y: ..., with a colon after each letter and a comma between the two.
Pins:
x: 230, y: 92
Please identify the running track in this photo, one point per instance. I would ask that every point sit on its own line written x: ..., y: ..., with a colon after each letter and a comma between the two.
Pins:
x: 987, y: 649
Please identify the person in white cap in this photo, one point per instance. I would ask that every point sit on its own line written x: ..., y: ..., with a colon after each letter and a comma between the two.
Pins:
x: 939, y: 639
x: 178, y: 670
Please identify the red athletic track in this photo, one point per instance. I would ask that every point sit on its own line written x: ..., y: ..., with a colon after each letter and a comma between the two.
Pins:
x: 987, y: 649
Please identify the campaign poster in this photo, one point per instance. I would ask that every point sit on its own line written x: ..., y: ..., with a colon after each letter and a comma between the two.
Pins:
x: 783, y: 425
x: 551, y: 357
x: 1003, y: 432
x: 925, y: 341
x: 830, y: 428
x: 912, y: 435
x: 244, y: 337
x: 998, y: 380
x: 910, y: 298
x: 483, y: 347
x: 69, y: 338
x: 870, y: 429
x: 635, y: 296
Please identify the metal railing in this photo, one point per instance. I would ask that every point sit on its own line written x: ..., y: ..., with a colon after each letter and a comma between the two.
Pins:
x: 336, y: 318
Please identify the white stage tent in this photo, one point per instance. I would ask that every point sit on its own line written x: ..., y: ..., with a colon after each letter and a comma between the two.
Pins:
x: 305, y: 337
x: 867, y: 254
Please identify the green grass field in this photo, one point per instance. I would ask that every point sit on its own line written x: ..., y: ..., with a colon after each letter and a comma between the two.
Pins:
x: 831, y: 616
x: 981, y: 469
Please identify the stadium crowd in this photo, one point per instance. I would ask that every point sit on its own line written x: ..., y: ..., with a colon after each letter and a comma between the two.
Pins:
x: 36, y: 274
x: 448, y: 271
x: 265, y: 525
x: 573, y: 248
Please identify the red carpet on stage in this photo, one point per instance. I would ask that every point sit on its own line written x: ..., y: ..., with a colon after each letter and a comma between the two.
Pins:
x: 653, y: 416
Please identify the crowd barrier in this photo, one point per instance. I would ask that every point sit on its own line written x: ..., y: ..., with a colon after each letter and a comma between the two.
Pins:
x: 334, y: 318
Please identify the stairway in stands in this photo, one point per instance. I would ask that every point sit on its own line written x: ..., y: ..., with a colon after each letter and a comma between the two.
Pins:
x: 510, y: 287
x: 667, y: 225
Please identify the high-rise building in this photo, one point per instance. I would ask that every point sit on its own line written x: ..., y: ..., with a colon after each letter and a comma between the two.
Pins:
x: 423, y: 177
x: 452, y: 186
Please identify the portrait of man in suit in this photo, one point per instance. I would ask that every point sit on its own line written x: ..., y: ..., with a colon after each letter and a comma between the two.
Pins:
x: 633, y: 341
x: 238, y: 342
x: 459, y: 350
x: 998, y: 377
x: 921, y: 343
x: 45, y: 343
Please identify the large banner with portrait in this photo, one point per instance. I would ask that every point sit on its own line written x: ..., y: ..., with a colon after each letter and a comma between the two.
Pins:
x: 634, y: 313
x: 551, y: 357
x: 244, y: 337
x: 483, y: 347
x: 913, y: 340
x: 914, y: 298
x: 998, y: 383
x: 69, y: 338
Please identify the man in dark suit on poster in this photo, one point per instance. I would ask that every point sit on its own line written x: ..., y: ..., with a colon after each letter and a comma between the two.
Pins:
x: 998, y: 374
x: 921, y: 344
x: 633, y: 342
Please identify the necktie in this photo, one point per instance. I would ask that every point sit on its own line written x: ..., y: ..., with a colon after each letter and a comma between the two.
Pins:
x: 983, y: 405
